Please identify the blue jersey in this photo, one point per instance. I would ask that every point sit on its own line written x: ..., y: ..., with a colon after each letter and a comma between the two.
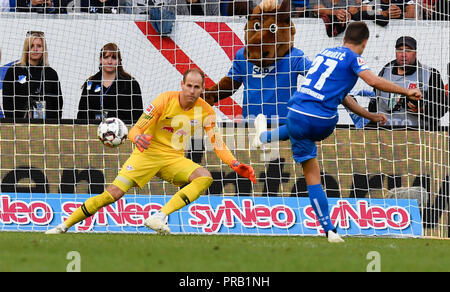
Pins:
x: 333, y: 74
x: 267, y: 90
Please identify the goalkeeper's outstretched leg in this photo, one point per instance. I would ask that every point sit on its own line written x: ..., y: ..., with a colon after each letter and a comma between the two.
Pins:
x: 113, y: 192
x: 199, y: 181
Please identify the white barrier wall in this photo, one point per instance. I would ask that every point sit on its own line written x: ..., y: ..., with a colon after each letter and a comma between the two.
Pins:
x: 74, y: 46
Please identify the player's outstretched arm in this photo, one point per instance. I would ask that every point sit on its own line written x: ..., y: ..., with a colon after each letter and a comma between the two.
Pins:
x: 244, y: 170
x: 147, y: 122
x: 222, y: 151
x: 353, y: 106
x: 136, y: 133
x: 387, y: 86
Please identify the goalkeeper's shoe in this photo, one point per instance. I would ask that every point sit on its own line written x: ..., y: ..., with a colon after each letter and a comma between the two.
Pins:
x: 260, y: 127
x: 57, y: 230
x: 333, y: 237
x: 158, y: 222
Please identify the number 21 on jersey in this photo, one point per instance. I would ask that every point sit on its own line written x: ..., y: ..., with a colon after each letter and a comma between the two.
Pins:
x: 325, y: 71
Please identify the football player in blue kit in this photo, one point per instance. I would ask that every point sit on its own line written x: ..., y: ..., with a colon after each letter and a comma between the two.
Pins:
x: 313, y: 111
x: 267, y: 90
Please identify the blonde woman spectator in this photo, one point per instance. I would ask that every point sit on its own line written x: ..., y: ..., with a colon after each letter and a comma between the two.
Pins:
x: 31, y: 88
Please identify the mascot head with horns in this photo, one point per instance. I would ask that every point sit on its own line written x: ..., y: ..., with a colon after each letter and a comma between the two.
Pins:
x: 268, y: 65
x: 269, y: 32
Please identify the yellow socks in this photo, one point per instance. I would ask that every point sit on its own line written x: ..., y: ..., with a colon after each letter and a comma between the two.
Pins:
x: 89, y: 208
x: 183, y: 197
x: 188, y: 194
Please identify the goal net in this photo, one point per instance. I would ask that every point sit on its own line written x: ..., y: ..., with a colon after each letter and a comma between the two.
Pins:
x: 390, y: 180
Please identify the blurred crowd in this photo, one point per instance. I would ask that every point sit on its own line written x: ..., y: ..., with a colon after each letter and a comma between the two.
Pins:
x: 333, y: 10
x: 31, y: 88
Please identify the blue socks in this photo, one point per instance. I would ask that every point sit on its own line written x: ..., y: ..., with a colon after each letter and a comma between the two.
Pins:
x: 319, y: 203
x: 277, y: 134
x: 316, y: 193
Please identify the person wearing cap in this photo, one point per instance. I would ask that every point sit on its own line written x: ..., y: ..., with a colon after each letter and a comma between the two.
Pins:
x: 407, y: 71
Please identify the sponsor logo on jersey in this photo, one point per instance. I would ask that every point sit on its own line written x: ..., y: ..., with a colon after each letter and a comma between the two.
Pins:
x: 412, y: 85
x: 22, y: 79
x: 168, y: 129
x: 261, y: 72
x: 149, y: 109
x: 181, y: 132
x: 361, y: 61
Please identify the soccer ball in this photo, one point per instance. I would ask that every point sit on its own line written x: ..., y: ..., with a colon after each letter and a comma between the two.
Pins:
x: 112, y: 132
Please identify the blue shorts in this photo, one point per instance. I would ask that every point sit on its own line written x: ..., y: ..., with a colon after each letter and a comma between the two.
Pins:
x: 305, y: 131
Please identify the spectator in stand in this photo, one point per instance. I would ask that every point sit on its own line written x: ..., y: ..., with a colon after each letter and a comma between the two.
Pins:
x: 398, y: 9
x: 193, y: 7
x: 31, y: 88
x: 335, y: 14
x: 100, y: 6
x: 369, y: 11
x: 162, y: 13
x: 427, y: 9
x: 133, y: 6
x: 240, y: 7
x: 407, y: 71
x: 41, y: 6
x: 223, y: 6
x: 435, y: 10
x: 300, y: 8
x: 442, y: 10
x: 7, y: 5
x: 111, y: 92
x: 211, y: 7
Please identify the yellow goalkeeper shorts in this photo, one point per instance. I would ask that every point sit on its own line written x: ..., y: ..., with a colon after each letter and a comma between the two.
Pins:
x: 173, y: 168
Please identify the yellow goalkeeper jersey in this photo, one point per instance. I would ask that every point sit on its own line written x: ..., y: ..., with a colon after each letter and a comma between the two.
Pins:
x: 171, y: 127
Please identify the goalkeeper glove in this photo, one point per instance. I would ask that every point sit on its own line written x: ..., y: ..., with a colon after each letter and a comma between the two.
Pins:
x: 243, y: 170
x: 142, y: 141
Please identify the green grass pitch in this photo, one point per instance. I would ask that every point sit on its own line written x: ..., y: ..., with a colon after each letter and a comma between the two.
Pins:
x: 31, y: 251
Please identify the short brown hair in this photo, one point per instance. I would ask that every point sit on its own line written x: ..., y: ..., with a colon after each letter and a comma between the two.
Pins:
x: 186, y: 73
x: 356, y: 33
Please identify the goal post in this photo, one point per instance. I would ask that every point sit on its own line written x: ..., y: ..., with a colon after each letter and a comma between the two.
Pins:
x: 380, y: 181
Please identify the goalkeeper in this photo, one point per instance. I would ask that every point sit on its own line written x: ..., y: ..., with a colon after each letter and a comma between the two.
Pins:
x: 160, y: 136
